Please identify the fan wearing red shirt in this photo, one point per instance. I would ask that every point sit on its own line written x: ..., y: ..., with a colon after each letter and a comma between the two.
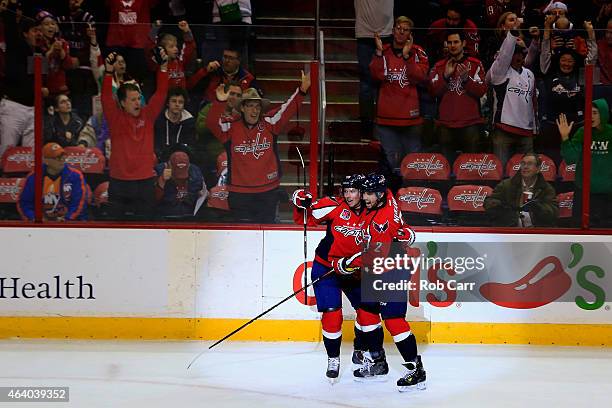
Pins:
x: 128, y: 31
x: 131, y: 190
x: 399, y: 67
x: 455, y: 20
x: 458, y: 82
x: 250, y: 141
x: 178, y: 58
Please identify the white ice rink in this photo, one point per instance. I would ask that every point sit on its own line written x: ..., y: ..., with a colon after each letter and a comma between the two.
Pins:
x: 153, y: 374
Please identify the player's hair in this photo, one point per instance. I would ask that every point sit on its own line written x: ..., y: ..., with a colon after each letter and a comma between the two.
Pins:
x: 124, y: 88
x: 26, y: 24
x: 176, y: 91
x: 233, y: 49
x: 536, y: 156
x: 404, y: 19
x: 166, y: 39
x: 457, y: 7
x: 56, y: 99
x: 499, y: 31
x: 460, y: 33
x: 230, y: 84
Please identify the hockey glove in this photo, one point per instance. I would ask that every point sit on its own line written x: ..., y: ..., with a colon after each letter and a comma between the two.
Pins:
x: 406, y: 235
x: 301, y: 199
x: 343, y: 265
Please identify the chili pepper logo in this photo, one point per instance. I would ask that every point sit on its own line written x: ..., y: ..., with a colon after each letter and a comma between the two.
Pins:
x: 543, y: 285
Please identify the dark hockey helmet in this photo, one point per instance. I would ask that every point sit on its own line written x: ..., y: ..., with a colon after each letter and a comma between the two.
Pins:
x: 375, y: 183
x: 353, y: 181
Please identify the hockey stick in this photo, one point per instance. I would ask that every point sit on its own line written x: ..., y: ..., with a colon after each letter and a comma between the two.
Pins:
x: 305, y: 228
x: 262, y: 314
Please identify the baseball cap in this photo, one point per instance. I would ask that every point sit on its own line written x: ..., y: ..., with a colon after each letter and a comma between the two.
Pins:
x: 52, y: 150
x: 42, y: 14
x: 555, y: 5
x: 179, y: 162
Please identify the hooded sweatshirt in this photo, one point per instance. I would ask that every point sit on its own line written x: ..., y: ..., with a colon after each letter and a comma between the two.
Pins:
x: 168, y: 133
x: 601, y: 152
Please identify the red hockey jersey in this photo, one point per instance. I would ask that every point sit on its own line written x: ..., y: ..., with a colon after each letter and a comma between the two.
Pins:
x: 398, y: 98
x: 130, y: 23
x: 253, y: 161
x: 379, y: 229
x: 343, y: 237
x: 459, y: 104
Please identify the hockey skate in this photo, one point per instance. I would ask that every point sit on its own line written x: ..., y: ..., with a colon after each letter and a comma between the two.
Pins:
x: 357, y: 359
x: 333, y: 369
x: 373, y: 367
x: 414, y: 378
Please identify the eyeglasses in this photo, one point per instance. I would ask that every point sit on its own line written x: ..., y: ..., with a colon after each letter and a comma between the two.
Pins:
x: 229, y: 57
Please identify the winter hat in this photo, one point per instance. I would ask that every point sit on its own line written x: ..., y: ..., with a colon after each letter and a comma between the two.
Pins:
x: 179, y: 162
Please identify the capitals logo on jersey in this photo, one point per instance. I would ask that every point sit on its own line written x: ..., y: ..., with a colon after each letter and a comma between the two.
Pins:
x: 350, y: 231
x: 399, y: 75
x: 256, y: 147
x: 381, y: 228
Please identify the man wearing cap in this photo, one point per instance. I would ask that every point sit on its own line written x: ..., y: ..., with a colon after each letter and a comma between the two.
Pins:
x: 65, y: 193
x: 178, y: 186
x: 515, y: 99
x: 250, y: 139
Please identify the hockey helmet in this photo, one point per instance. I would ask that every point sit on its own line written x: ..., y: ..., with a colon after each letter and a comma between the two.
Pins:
x: 353, y: 181
x: 374, y: 183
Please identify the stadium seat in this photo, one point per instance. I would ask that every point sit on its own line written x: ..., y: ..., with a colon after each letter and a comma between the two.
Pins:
x: 88, y: 160
x: 548, y: 167
x: 425, y: 166
x: 567, y: 172
x: 217, y: 198
x: 566, y: 203
x: 17, y: 160
x: 221, y: 163
x: 420, y: 205
x: 481, y: 167
x: 10, y: 188
x: 100, y: 195
x: 427, y: 170
x: 466, y: 204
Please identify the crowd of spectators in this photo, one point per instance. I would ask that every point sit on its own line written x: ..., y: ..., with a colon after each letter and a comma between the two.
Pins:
x: 498, y: 77
x: 156, y: 95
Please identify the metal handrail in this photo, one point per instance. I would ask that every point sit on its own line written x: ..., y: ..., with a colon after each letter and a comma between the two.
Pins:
x: 322, y: 108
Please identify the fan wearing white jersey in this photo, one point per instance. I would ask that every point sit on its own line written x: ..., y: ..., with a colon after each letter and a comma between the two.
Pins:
x: 515, y: 99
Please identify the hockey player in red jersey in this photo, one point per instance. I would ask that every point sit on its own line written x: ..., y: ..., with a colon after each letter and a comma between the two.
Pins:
x: 344, y: 219
x: 383, y: 223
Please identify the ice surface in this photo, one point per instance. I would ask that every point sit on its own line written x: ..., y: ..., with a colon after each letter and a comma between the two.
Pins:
x: 236, y: 374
